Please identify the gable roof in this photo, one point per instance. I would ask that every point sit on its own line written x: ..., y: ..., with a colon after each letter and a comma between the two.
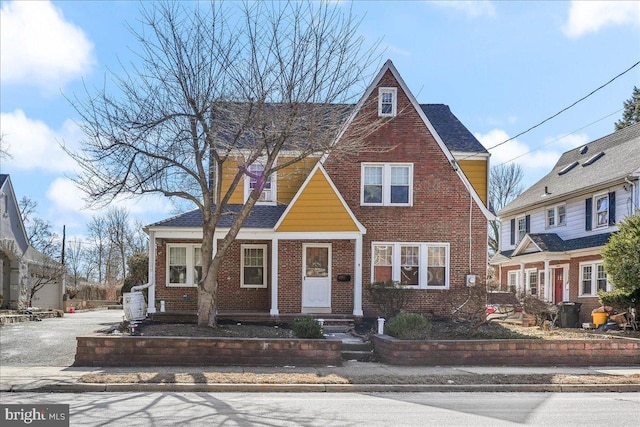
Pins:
x: 388, y: 66
x: 261, y: 216
x: 454, y: 134
x: 21, y: 238
x: 3, y: 178
x: 551, y: 242
x: 585, y: 167
x: 325, y: 212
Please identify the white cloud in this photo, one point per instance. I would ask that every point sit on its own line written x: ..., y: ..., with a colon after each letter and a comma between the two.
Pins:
x: 39, y: 47
x: 473, y: 9
x: 590, y: 16
x: 33, y: 145
x: 65, y: 196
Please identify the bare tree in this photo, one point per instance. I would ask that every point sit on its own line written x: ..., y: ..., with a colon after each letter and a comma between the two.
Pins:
x: 43, y: 271
x: 39, y: 232
x: 4, y: 149
x: 504, y: 186
x: 241, y: 81
x: 119, y: 231
x: 75, y: 260
x: 98, y: 240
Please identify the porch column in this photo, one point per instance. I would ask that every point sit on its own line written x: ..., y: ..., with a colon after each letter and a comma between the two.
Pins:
x: 522, y: 281
x: 547, y: 282
x: 357, y: 278
x: 152, y: 273
x: 274, y: 277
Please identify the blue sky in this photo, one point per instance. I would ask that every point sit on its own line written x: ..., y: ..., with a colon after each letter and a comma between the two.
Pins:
x: 502, y: 67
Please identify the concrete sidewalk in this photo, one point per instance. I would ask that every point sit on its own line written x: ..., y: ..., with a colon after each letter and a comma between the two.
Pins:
x: 388, y: 378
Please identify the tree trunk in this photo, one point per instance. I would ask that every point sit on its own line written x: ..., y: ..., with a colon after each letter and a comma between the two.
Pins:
x: 207, y: 306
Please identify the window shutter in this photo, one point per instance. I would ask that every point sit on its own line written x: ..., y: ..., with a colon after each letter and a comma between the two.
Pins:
x: 587, y: 213
x: 612, y: 208
x: 527, y: 224
x: 513, y: 231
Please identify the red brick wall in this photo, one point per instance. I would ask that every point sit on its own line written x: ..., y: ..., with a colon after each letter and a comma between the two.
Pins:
x: 440, y: 211
x: 199, y: 351
x: 507, y: 352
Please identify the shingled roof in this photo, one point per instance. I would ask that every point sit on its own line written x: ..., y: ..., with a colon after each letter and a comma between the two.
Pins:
x: 454, y: 134
x: 261, y: 216
x: 551, y: 242
x: 600, y: 162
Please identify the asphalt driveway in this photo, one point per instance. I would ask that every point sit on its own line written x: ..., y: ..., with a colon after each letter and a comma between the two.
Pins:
x: 51, y: 342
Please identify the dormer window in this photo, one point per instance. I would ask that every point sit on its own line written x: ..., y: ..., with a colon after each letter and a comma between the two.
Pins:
x: 254, y: 178
x: 387, y: 101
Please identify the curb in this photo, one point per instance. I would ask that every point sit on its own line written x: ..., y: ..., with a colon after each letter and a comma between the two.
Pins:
x: 326, y: 388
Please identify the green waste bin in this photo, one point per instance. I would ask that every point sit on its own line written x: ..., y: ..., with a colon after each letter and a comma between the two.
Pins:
x: 569, y: 314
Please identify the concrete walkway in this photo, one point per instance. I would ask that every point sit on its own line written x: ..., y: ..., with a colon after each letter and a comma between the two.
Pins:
x: 391, y: 378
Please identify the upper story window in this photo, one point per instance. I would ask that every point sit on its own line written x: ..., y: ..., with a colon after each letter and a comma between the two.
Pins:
x: 556, y: 216
x: 387, y: 101
x: 184, y: 265
x: 522, y: 228
x: 593, y: 279
x: 255, y: 178
x: 387, y: 184
x: 602, y: 210
x: 420, y: 265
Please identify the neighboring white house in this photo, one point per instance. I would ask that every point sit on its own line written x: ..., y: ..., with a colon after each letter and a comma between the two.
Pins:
x: 21, y: 265
x: 551, y: 236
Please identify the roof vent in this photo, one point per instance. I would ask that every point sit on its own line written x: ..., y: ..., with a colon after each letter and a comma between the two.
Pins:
x: 584, y: 149
x: 592, y: 159
x: 567, y: 168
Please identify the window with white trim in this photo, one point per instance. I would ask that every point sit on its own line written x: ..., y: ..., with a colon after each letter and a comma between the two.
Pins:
x: 419, y: 265
x: 184, y: 264
x: 254, y: 266
x: 532, y: 279
x: 593, y: 278
x: 601, y: 204
x: 556, y: 216
x: 512, y: 281
x: 521, y: 223
x: 255, y: 178
x: 387, y: 101
x: 387, y: 184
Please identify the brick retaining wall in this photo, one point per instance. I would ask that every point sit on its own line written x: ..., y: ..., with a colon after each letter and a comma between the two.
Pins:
x: 97, y: 350
x: 602, y: 352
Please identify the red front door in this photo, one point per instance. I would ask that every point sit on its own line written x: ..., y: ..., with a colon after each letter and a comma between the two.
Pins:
x: 558, y: 285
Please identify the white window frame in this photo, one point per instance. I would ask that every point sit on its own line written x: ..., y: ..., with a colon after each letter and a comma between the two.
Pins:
x: 595, y: 210
x: 594, y: 279
x: 394, y: 101
x: 273, y: 200
x: 556, y: 216
x: 529, y: 274
x: 190, y: 261
x: 522, y: 218
x: 386, y: 183
x: 264, y: 265
x: 513, y: 279
x: 423, y: 267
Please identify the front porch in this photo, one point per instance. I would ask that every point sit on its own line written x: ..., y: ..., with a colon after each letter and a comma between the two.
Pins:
x: 191, y: 316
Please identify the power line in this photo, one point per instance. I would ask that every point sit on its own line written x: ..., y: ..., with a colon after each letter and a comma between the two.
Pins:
x: 559, y: 138
x: 564, y: 109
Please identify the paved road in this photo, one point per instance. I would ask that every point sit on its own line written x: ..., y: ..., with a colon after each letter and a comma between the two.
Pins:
x: 51, y: 342
x: 343, y: 409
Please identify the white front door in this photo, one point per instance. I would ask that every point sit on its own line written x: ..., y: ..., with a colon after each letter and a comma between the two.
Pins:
x: 316, y: 278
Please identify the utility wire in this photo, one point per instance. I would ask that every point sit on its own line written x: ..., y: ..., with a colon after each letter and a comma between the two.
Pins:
x: 563, y: 110
x: 559, y: 138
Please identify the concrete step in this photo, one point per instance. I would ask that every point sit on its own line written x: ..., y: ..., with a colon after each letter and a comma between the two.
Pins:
x: 360, y: 356
x: 355, y: 346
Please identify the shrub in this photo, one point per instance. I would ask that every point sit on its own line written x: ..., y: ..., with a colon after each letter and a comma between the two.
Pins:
x: 408, y: 326
x: 306, y: 327
x: 390, y: 297
x: 620, y: 299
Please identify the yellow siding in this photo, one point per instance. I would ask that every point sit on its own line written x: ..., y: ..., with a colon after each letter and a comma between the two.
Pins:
x: 476, y: 172
x: 318, y: 208
x: 288, y: 180
x: 291, y: 178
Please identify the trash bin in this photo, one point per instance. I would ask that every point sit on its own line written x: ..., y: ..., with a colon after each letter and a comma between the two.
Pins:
x: 569, y: 314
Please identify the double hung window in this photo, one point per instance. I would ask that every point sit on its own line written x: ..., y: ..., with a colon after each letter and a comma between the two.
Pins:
x: 419, y: 265
x: 387, y: 184
x: 184, y: 265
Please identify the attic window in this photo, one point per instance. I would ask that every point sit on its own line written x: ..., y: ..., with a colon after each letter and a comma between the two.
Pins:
x: 592, y: 159
x: 568, y: 168
x: 387, y: 101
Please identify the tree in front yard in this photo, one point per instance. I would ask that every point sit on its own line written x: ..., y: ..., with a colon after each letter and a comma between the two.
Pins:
x: 505, y: 184
x: 621, y: 255
x: 218, y: 85
x: 631, y: 113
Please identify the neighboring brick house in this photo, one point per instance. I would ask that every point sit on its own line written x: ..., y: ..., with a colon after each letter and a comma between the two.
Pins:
x: 410, y: 209
x: 552, y: 234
